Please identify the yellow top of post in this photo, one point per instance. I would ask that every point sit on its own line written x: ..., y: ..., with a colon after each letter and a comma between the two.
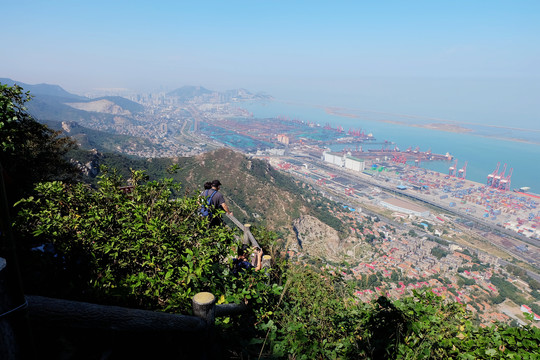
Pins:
x: 204, y: 298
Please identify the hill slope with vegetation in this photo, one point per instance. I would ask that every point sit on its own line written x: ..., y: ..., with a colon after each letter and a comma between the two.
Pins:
x: 258, y: 193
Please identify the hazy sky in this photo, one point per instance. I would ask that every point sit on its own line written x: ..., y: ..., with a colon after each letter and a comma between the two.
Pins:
x: 461, y: 59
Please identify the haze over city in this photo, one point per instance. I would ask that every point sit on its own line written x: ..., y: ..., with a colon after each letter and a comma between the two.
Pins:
x: 460, y: 61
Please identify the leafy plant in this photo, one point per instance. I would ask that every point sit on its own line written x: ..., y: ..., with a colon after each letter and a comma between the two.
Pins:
x: 29, y: 151
x: 135, y: 246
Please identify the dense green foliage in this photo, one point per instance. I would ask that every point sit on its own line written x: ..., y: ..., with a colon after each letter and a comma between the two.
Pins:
x: 137, y: 248
x: 522, y: 274
x: 506, y: 290
x: 440, y: 241
x: 439, y: 252
x: 317, y: 318
x: 29, y: 151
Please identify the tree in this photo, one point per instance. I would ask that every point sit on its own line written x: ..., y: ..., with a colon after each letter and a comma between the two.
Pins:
x: 533, y: 284
x: 29, y: 151
x: 438, y: 252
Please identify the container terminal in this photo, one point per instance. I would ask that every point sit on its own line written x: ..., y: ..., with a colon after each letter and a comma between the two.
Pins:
x: 492, y: 201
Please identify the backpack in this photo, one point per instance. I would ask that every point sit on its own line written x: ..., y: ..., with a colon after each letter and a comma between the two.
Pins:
x: 205, y: 209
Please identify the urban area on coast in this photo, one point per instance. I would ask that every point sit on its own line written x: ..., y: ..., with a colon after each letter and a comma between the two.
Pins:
x: 436, y: 229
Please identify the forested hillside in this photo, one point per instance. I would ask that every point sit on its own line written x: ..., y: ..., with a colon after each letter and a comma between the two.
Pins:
x: 258, y: 193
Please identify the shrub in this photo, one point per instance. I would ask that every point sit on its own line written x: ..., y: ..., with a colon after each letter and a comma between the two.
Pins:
x: 140, y: 247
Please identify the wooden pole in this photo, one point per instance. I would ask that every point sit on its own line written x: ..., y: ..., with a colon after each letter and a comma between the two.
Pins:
x: 77, y: 314
x: 266, y: 261
x: 250, y: 236
x: 247, y: 231
x: 203, y: 307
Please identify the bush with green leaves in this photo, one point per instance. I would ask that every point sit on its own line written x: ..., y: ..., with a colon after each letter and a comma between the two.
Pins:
x: 318, y: 318
x: 136, y: 246
x: 29, y: 151
x: 312, y: 320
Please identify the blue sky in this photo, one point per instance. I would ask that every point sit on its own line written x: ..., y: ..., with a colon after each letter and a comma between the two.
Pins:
x: 461, y: 60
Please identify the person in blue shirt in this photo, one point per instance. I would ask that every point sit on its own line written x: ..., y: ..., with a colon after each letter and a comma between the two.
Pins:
x: 217, y: 202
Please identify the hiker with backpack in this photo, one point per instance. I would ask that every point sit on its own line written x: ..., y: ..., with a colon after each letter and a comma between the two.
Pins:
x: 214, y: 201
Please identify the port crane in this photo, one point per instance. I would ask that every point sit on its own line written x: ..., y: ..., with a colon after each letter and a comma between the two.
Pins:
x: 452, y: 169
x: 497, y: 179
x: 463, y: 171
x: 504, y: 184
x: 491, y: 176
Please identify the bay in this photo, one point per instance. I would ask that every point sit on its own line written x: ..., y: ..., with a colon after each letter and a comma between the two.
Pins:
x: 482, y: 153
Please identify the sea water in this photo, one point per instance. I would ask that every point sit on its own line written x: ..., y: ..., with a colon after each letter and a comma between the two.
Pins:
x: 482, y: 150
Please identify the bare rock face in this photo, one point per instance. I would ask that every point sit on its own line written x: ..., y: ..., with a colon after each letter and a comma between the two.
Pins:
x: 316, y: 238
x: 101, y: 106
x: 66, y: 127
x: 91, y: 168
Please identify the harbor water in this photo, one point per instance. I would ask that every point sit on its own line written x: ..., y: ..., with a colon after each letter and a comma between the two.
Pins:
x: 481, y: 149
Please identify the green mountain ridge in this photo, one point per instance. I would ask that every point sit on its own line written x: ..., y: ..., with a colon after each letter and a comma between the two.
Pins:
x: 257, y: 193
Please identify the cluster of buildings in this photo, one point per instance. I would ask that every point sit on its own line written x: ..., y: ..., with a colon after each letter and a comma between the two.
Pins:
x: 402, y: 263
x: 416, y: 268
x: 344, y: 160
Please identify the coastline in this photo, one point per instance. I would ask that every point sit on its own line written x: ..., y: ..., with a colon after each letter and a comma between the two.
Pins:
x: 442, y: 126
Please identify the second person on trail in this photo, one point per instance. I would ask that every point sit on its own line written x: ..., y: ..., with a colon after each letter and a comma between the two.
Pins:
x: 217, y: 202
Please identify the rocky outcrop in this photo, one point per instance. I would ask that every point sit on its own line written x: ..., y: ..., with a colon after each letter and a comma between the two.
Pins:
x: 90, y: 168
x: 316, y: 238
x: 101, y: 106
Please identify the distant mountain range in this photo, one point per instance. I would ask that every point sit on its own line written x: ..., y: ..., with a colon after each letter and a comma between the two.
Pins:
x: 53, y: 105
x: 187, y: 93
x: 44, y: 90
x: 52, y: 102
x: 95, y: 139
